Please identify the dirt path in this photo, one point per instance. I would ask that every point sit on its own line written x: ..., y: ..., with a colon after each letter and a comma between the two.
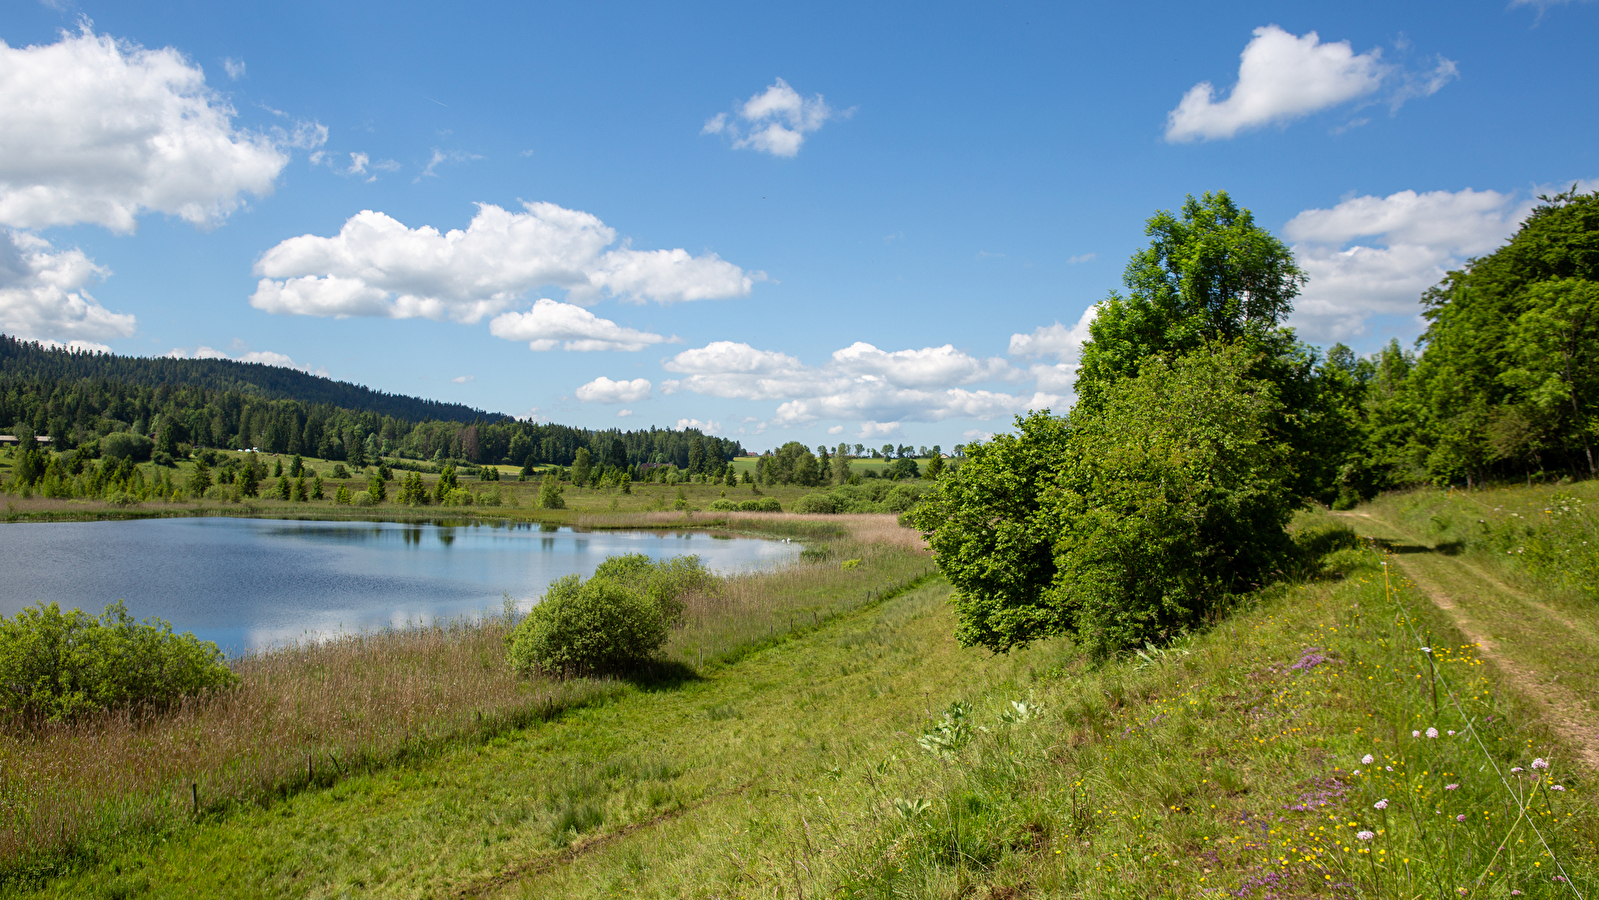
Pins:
x: 1486, y: 610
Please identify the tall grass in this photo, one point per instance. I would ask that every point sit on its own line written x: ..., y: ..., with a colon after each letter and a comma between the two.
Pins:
x: 1547, y: 535
x: 307, y: 715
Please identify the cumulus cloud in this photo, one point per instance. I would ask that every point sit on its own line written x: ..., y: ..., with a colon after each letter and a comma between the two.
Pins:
x: 1371, y: 256
x: 1064, y: 344
x: 234, y: 68
x: 623, y: 413
x: 604, y: 390
x: 43, y: 294
x: 859, y: 382
x: 550, y: 323
x: 1282, y: 77
x: 264, y: 357
x: 774, y: 121
x: 99, y: 131
x: 376, y: 266
x: 463, y: 379
x: 709, y: 427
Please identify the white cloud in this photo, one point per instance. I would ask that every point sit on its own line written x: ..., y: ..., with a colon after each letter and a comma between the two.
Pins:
x: 264, y: 357
x: 623, y: 413
x: 710, y: 427
x: 859, y: 382
x: 1282, y: 77
x: 1062, y: 343
x: 836, y: 429
x: 550, y: 323
x: 463, y: 379
x: 1055, y: 340
x: 43, y: 295
x: 234, y: 68
x: 99, y: 131
x: 878, y: 429
x: 1080, y: 258
x: 1372, y: 256
x: 976, y: 435
x: 440, y: 156
x: 775, y: 121
x: 376, y: 266
x: 604, y: 390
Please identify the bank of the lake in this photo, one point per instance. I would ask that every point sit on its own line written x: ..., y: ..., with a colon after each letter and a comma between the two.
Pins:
x: 249, y: 583
x: 308, y: 716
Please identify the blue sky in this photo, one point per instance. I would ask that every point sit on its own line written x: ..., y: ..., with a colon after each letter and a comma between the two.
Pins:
x: 866, y: 223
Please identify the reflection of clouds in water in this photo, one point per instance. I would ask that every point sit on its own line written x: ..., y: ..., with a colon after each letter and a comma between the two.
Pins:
x: 250, y: 583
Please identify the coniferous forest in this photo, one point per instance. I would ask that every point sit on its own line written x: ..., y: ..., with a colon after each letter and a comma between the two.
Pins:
x: 77, y: 398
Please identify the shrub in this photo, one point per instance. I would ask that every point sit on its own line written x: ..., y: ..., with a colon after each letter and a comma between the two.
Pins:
x: 126, y: 445
x: 817, y: 503
x: 724, y: 505
x: 664, y: 583
x: 580, y: 626
x: 58, y: 665
x: 903, y: 496
x: 764, y: 504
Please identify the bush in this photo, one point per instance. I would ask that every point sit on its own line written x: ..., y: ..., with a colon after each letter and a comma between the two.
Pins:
x: 764, y: 504
x: 58, y: 665
x: 903, y: 496
x: 817, y: 503
x: 664, y: 583
x: 126, y: 445
x: 580, y: 626
x: 724, y: 505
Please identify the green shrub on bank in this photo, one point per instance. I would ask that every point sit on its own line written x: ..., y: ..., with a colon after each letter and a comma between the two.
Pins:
x: 664, y: 583
x: 764, y: 504
x: 588, y: 626
x: 614, y: 622
x: 57, y: 665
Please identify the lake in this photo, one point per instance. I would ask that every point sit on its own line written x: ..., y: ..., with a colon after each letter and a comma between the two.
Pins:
x: 253, y: 583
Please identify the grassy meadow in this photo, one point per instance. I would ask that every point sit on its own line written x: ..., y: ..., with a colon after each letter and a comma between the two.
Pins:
x: 816, y: 731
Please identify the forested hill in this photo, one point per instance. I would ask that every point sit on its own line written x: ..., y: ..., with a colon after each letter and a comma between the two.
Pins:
x: 31, y: 361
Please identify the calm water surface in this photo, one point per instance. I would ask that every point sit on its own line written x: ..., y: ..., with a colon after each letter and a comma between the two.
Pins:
x: 251, y: 583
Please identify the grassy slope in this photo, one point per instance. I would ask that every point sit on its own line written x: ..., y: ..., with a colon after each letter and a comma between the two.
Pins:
x: 797, y: 771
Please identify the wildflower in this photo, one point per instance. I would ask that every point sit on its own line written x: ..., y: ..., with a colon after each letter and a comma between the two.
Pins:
x: 1557, y: 787
x: 1364, y: 835
x: 1451, y: 787
x: 1388, y: 768
x: 1540, y: 763
x: 1515, y: 893
x: 1516, y: 769
x: 1368, y: 759
x: 1381, y: 804
x: 1451, y: 732
x: 1415, y: 734
x: 1460, y: 818
x: 1432, y: 732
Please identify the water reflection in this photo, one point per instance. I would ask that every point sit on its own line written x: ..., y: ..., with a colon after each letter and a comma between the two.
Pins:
x: 252, y: 582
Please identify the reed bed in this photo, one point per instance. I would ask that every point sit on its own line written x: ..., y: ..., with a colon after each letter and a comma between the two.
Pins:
x: 743, y: 612
x: 306, y: 715
x: 867, y: 528
x: 300, y: 716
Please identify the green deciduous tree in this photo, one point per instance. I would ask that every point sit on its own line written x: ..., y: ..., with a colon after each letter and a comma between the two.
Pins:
x: 550, y: 492
x: 993, y: 534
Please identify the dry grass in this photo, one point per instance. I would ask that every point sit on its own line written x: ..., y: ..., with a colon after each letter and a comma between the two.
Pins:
x: 746, y: 611
x: 866, y: 528
x: 300, y: 716
x: 307, y: 715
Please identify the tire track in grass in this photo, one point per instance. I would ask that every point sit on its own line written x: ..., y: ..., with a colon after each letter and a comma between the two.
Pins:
x: 1561, y: 706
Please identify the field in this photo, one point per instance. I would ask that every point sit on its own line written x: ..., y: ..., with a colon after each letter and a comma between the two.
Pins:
x: 827, y: 737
